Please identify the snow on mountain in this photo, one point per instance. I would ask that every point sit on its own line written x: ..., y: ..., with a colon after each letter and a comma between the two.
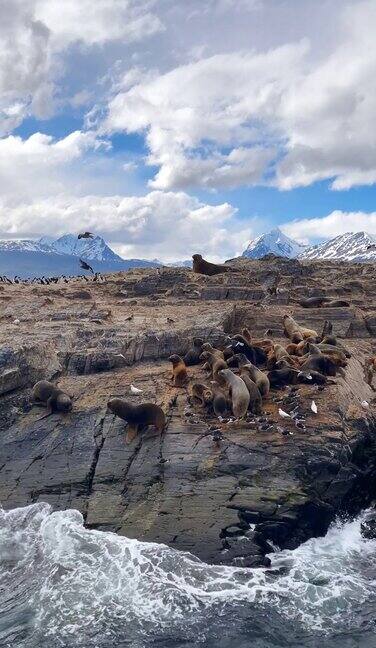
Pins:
x: 26, y: 245
x: 94, y: 249
x: 351, y: 246
x: 273, y: 242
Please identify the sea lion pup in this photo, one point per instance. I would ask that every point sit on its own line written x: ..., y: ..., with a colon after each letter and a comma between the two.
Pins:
x: 202, y: 393
x: 260, y: 379
x: 45, y: 393
x: 255, y: 354
x: 255, y: 401
x: 217, y: 352
x: 281, y: 377
x: 239, y: 393
x: 220, y: 405
x: 263, y: 343
x: 333, y: 353
x: 213, y: 362
x: 192, y: 357
x: 137, y: 416
x: 200, y: 266
x: 320, y: 363
x: 313, y: 302
x: 312, y: 378
x: 179, y: 371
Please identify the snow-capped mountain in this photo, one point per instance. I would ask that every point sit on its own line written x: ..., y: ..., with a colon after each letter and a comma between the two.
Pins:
x: 93, y: 249
x: 49, y: 256
x: 351, y: 246
x: 273, y: 242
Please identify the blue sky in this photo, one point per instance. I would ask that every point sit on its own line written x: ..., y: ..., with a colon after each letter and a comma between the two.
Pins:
x: 171, y: 128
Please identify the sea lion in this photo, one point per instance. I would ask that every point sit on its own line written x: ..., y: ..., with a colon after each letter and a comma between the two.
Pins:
x: 258, y: 377
x: 220, y: 405
x: 327, y: 329
x: 200, y: 266
x: 214, y: 362
x: 281, y: 377
x: 238, y: 360
x: 312, y: 378
x: 338, y: 303
x: 45, y: 393
x: 217, y: 352
x: 137, y: 416
x: 313, y: 302
x: 179, y: 371
x: 238, y: 391
x: 192, y: 357
x: 202, y: 393
x: 320, y: 363
x: 255, y: 400
x: 295, y: 331
x: 263, y: 343
x: 334, y: 353
x: 255, y: 354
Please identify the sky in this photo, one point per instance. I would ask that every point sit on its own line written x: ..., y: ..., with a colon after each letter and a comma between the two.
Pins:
x: 173, y: 127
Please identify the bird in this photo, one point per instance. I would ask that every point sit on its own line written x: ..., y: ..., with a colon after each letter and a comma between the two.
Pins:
x: 314, y: 407
x: 85, y: 235
x: 283, y: 414
x: 135, y: 390
x: 86, y: 266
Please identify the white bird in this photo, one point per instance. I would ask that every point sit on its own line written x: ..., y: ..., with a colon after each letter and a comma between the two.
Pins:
x: 135, y: 390
x: 283, y: 414
x: 239, y: 344
x: 365, y: 404
x: 314, y: 407
x: 16, y: 321
x: 120, y: 355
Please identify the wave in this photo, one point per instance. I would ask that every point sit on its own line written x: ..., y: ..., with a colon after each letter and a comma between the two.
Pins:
x: 64, y: 585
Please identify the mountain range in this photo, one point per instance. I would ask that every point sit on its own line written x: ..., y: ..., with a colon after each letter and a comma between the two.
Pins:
x: 351, y: 246
x: 48, y: 256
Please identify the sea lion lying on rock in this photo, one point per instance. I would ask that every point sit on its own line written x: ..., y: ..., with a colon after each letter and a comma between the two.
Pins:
x: 200, y: 266
x: 281, y: 377
x: 202, y: 393
x: 320, y: 363
x: 295, y: 331
x: 313, y: 302
x: 137, y: 416
x: 46, y: 394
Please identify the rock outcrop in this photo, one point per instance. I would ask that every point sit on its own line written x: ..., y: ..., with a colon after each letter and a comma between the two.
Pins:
x: 227, y: 492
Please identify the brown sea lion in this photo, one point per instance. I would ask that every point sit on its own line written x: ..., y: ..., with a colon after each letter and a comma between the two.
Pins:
x: 255, y: 400
x: 313, y: 302
x: 46, y: 394
x: 220, y: 404
x: 179, y: 371
x: 137, y: 416
x: 327, y: 329
x: 281, y: 377
x: 238, y: 391
x: 202, y: 393
x: 312, y: 378
x: 200, y: 266
x: 258, y: 377
x: 213, y: 362
x: 192, y: 357
x: 295, y: 331
x: 217, y: 352
x: 255, y: 354
x: 320, y: 363
x: 263, y: 343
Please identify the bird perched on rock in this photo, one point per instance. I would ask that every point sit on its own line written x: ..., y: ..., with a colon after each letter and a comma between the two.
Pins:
x: 85, y: 235
x: 86, y: 266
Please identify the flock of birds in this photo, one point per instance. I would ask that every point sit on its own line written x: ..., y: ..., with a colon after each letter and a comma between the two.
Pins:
x: 96, y: 276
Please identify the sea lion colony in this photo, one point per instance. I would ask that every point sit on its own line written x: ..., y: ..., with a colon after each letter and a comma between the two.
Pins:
x: 239, y: 377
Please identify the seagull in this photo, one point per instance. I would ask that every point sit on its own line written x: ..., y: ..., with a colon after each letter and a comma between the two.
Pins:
x: 134, y: 390
x: 314, y: 407
x: 365, y: 404
x: 86, y: 266
x: 85, y: 235
x: 283, y: 414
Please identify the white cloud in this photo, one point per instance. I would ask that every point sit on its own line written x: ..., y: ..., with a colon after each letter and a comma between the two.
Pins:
x: 334, y: 224
x: 317, y: 111
x: 38, y: 165
x: 35, y: 38
x: 163, y: 225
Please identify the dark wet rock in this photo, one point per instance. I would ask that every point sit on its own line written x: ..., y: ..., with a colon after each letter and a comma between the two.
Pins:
x: 368, y: 527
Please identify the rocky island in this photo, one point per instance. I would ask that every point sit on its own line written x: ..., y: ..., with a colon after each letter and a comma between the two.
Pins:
x: 229, y: 498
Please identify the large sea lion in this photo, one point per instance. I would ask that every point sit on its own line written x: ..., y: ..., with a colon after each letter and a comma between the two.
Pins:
x: 313, y: 302
x: 200, y: 266
x: 238, y: 391
x: 281, y: 377
x: 217, y: 352
x: 220, y: 405
x: 295, y: 331
x: 214, y: 362
x: 46, y: 394
x: 255, y: 400
x: 255, y: 354
x: 320, y: 363
x: 137, y: 416
x: 258, y: 377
